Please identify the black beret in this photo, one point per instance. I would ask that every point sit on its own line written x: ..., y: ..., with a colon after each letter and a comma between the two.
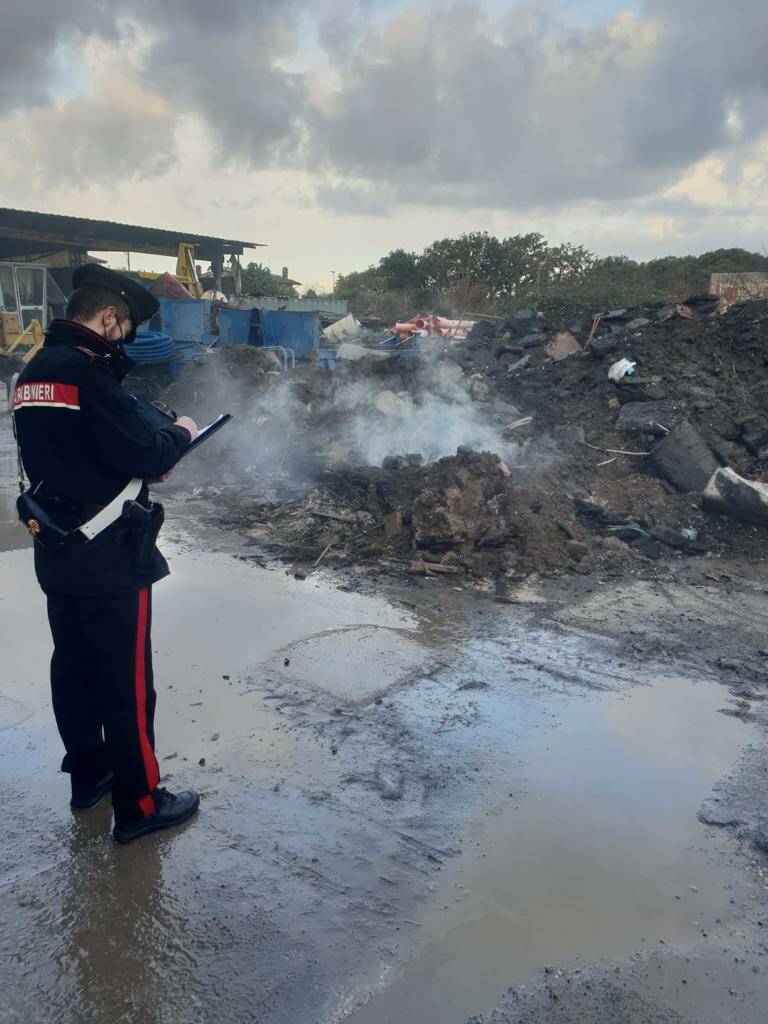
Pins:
x: 140, y: 302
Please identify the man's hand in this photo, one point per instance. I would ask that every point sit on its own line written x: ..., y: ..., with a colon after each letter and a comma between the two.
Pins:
x: 188, y: 424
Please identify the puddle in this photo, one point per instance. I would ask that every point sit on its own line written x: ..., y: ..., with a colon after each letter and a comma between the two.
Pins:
x: 325, y: 840
x: 594, y: 852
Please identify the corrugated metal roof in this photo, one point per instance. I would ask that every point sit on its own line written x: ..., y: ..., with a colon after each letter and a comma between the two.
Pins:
x: 27, y: 228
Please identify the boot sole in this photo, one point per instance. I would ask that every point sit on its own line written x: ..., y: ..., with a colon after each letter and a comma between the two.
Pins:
x: 85, y: 805
x: 128, y: 837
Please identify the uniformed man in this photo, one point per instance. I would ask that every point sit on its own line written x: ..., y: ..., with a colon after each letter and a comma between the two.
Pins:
x: 88, y: 454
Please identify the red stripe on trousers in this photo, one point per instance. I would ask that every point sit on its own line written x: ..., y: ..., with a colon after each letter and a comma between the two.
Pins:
x: 147, y: 804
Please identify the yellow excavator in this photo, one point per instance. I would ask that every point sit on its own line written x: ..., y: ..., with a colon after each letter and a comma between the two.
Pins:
x: 29, y: 299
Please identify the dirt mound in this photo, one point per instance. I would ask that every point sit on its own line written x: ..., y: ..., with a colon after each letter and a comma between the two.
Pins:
x: 464, y: 514
x: 706, y: 367
x: 602, y: 474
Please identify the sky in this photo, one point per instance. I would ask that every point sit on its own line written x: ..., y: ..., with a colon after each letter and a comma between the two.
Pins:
x: 336, y: 130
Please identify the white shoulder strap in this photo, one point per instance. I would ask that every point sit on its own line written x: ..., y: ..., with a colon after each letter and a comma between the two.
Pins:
x: 111, y: 512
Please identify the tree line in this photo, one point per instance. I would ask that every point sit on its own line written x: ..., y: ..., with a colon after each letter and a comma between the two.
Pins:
x: 480, y: 273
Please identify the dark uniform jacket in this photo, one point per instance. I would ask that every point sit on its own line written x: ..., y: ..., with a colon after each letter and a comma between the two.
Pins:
x: 82, y: 439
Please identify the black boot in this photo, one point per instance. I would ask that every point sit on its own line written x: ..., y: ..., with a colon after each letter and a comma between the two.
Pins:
x: 170, y: 809
x: 86, y: 795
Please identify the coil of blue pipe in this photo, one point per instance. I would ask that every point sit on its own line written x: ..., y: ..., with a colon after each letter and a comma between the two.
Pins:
x: 152, y: 347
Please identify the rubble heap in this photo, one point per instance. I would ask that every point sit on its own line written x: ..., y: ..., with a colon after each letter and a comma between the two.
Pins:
x: 602, y: 474
x: 467, y: 513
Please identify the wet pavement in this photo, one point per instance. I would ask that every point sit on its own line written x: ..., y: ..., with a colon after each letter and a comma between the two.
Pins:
x: 408, y: 805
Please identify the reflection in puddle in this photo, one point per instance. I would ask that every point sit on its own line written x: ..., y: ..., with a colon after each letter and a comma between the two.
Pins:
x: 601, y: 854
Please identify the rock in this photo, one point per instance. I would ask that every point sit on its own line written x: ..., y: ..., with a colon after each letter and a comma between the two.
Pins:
x: 577, y: 549
x: 635, y: 325
x: 531, y: 340
x: 650, y: 548
x: 731, y: 494
x: 616, y: 546
x: 615, y: 314
x: 684, y: 458
x: 479, y: 388
x: 388, y: 403
x: 644, y: 418
x: 604, y: 344
x: 672, y: 537
x: 519, y: 365
x: 676, y: 310
x: 590, y: 507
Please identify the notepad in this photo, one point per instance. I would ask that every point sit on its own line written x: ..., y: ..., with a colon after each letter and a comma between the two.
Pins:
x: 205, y: 432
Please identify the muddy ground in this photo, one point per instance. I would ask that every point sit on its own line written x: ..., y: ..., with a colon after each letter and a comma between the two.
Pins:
x: 418, y: 803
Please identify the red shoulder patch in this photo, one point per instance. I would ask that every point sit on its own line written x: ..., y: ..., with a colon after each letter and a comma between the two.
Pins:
x: 46, y: 394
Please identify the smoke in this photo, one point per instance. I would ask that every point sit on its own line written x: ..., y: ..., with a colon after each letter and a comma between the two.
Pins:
x: 431, y: 413
x: 289, y: 428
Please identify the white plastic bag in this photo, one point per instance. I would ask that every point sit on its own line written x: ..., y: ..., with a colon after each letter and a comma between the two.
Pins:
x: 621, y: 369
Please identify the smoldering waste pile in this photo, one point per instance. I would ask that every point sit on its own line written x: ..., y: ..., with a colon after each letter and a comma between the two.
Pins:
x: 353, y: 467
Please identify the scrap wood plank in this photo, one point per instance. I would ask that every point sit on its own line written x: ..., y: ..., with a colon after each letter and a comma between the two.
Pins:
x: 417, y: 566
x: 524, y: 421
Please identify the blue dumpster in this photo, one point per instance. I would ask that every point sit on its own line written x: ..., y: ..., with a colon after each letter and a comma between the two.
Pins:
x: 298, y: 331
x: 235, y: 326
x: 187, y: 319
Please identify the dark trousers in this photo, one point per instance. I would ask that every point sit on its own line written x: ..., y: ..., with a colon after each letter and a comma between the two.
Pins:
x: 103, y: 692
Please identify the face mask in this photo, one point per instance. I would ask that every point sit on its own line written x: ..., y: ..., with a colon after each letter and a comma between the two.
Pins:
x: 125, y: 339
x: 130, y: 337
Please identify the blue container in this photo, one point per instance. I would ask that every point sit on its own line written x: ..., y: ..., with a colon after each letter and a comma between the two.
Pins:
x: 297, y: 331
x: 235, y: 327
x: 187, y: 319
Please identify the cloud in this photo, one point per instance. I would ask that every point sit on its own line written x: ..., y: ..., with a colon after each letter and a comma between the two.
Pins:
x: 447, y: 105
x: 224, y: 65
x: 113, y: 133
x: 32, y: 32
x: 354, y: 200
x: 644, y: 128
